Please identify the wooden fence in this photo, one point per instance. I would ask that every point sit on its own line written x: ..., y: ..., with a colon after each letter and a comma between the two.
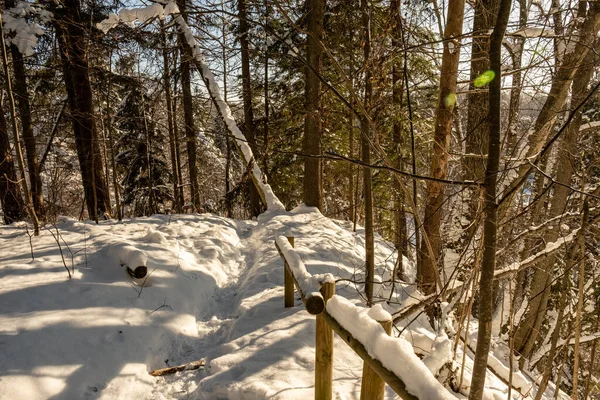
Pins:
x: 314, y: 292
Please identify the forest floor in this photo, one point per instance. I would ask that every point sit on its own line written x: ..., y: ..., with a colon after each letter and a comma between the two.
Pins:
x: 214, y: 292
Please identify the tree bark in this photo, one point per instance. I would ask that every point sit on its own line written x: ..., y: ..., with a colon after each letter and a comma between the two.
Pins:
x: 188, y: 112
x: 427, y: 274
x: 10, y: 194
x: 16, y: 139
x: 311, y: 146
x: 488, y: 262
x: 22, y: 99
x: 249, y: 131
x: 70, y: 27
x: 177, y: 200
x: 365, y: 139
x: 539, y: 291
x: 400, y: 237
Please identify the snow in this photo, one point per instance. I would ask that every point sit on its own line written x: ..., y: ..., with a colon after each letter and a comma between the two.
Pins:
x: 389, y: 350
x: 215, y: 293
x: 22, y: 31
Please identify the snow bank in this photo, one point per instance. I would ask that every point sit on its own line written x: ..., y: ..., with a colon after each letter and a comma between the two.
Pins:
x: 127, y: 254
x: 396, y: 354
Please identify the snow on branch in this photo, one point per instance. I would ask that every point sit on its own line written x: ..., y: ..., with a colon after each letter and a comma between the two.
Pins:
x: 158, y: 11
x: 543, y: 350
x: 20, y: 27
x: 498, y: 274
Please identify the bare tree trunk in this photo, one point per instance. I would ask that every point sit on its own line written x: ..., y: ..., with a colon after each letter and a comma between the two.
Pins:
x: 188, y: 112
x: 113, y: 162
x: 177, y: 200
x: 476, y: 138
x: 255, y: 207
x: 13, y: 117
x: 559, y: 90
x: 365, y: 139
x: 580, y: 294
x: 400, y: 239
x: 311, y: 145
x: 539, y: 292
x: 70, y: 26
x: 22, y: 99
x: 10, y: 194
x: 427, y: 274
x: 488, y: 262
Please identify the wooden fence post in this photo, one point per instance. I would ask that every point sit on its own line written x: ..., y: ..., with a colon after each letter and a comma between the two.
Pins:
x: 288, y: 281
x: 324, y: 350
x: 373, y: 387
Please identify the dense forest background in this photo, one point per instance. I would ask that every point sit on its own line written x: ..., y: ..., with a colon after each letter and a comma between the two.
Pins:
x: 465, y: 133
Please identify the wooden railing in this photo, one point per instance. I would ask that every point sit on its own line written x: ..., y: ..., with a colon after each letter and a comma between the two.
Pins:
x: 314, y: 292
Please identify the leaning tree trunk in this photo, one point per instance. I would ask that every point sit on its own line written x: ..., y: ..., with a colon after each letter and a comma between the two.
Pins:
x: 22, y: 99
x: 488, y: 262
x: 539, y: 292
x: 557, y: 96
x: 188, y: 112
x: 10, y: 194
x: 70, y: 27
x: 427, y: 274
x: 365, y: 139
x: 311, y: 145
x: 255, y: 207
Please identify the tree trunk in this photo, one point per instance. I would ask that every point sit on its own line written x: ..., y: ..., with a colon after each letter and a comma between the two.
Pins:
x: 539, y: 291
x: 22, y: 99
x: 188, y: 112
x: 10, y: 194
x: 427, y: 274
x: 255, y: 207
x: 177, y: 200
x: 400, y: 238
x: 476, y: 140
x: 488, y: 262
x: 70, y: 27
x: 559, y: 90
x: 16, y: 139
x: 311, y: 146
x: 366, y: 154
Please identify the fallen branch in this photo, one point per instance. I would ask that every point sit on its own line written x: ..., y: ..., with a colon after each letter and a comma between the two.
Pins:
x: 199, y: 364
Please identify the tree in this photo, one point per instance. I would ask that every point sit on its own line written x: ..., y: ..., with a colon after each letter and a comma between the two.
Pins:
x: 10, y: 195
x: 311, y: 145
x: 488, y: 263
x: 249, y: 128
x: 188, y: 111
x: 71, y: 25
x: 428, y: 275
x: 140, y: 159
x: 23, y: 103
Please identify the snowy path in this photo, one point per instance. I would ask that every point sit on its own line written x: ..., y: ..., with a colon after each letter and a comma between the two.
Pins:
x: 215, y: 292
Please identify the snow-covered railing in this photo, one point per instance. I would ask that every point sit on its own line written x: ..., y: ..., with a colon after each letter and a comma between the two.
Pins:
x: 296, y: 273
x: 387, y: 360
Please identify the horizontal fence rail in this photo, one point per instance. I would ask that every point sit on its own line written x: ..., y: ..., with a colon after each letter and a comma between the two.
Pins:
x: 375, y: 374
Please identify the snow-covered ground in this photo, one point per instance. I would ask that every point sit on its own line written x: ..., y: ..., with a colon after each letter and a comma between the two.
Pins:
x: 214, y: 291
